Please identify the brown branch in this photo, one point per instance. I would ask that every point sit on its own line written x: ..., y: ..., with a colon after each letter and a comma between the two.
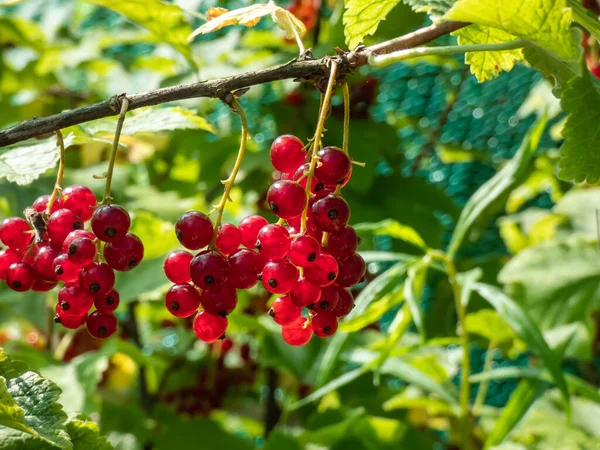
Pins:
x: 299, y: 69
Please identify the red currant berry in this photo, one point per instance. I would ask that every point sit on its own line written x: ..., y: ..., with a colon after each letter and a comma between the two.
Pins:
x: 249, y: 227
x: 40, y: 284
x: 73, y: 300
x: 328, y: 301
x: 60, y: 224
x: 334, y: 165
x: 305, y: 293
x: 345, y: 302
x: 324, y: 324
x: 74, y: 235
x: 304, y: 250
x: 8, y: 257
x: 43, y: 261
x: 79, y: 199
x: 208, y: 268
x: 107, y: 302
x: 297, y: 333
x: 273, y: 242
x: 182, y: 300
x: 300, y: 175
x: 228, y: 239
x: 41, y: 203
x: 125, y: 254
x: 209, y: 328
x: 312, y: 229
x: 352, y: 269
x: 219, y: 300
x: 15, y: 233
x: 20, y: 277
x: 279, y: 277
x: 287, y: 153
x: 284, y: 312
x: 64, y: 269
x: 110, y: 223
x: 177, y: 266
x: 97, y: 278
x: 347, y: 178
x: 101, y: 324
x: 70, y: 321
x: 194, y: 230
x: 342, y: 243
x: 324, y: 271
x: 81, y: 251
x: 244, y: 268
x: 286, y: 198
x: 330, y: 213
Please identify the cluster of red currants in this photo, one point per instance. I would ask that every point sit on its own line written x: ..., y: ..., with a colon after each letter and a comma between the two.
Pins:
x: 60, y: 249
x: 310, y: 266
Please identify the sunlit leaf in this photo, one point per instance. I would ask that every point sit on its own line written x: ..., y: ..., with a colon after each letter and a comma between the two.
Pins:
x: 362, y: 18
x: 85, y: 434
x: 395, y: 230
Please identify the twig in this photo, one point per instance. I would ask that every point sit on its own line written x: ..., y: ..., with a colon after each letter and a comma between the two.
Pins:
x: 61, y: 172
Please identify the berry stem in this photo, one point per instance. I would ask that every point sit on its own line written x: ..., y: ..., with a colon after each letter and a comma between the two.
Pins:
x: 346, y: 94
x: 317, y: 142
x: 111, y: 164
x: 61, y: 172
x: 483, y: 387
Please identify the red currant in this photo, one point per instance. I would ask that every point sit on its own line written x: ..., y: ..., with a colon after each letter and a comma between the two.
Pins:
x: 297, y: 333
x: 328, y: 301
x: 107, y: 302
x: 300, y: 175
x: 40, y: 284
x: 279, y: 277
x: 324, y: 271
x: 208, y: 268
x: 79, y: 199
x: 219, y: 300
x: 324, y: 324
x: 273, y: 242
x: 74, y: 235
x: 286, y: 198
x: 352, y: 269
x: 334, y: 165
x: 194, y: 230
x: 305, y: 293
x: 70, y: 321
x: 342, y: 243
x: 209, y: 328
x: 249, y: 227
x: 43, y: 261
x: 60, y: 224
x: 244, y: 268
x: 20, y: 277
x: 177, y: 266
x: 8, y: 257
x: 97, y: 278
x: 182, y: 300
x: 64, y: 269
x: 81, y: 251
x: 228, y: 239
x: 101, y: 324
x: 125, y: 254
x: 110, y: 223
x: 284, y: 312
x: 304, y: 250
x: 287, y: 153
x: 345, y: 302
x: 15, y: 233
x: 73, y: 300
x: 330, y: 213
x: 41, y: 203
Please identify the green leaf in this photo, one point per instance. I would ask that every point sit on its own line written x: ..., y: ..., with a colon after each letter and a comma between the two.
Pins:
x: 435, y: 9
x: 24, y: 164
x: 585, y: 18
x: 520, y: 401
x: 149, y: 280
x: 432, y: 406
x: 156, y: 234
x: 362, y: 18
x: 488, y: 324
x: 85, y: 434
x: 395, y: 230
x: 376, y: 310
x: 413, y: 289
x: 511, y: 175
x: 526, y: 329
x: 466, y: 281
x: 488, y: 65
x: 17, y: 31
x: 579, y: 206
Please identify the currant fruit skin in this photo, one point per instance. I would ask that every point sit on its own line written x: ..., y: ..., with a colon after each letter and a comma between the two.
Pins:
x: 249, y: 228
x: 20, y: 277
x: 107, y: 302
x: 74, y: 235
x: 331, y: 213
x: 70, y: 321
x: 324, y: 324
x: 81, y: 251
x: 101, y: 325
x: 8, y: 257
x: 228, y: 239
x: 324, y: 271
x: 345, y: 302
x: 328, y: 301
x: 41, y: 203
x: 304, y: 250
x: 209, y: 328
x: 286, y: 199
x: 305, y: 293
x: 342, y: 243
x: 244, y: 268
x: 40, y: 284
x: 219, y: 300
x: 209, y: 269
x: 297, y: 333
x: 73, y: 300
x: 64, y: 269
x: 334, y: 165
x: 110, y: 223
x: 279, y: 277
x: 97, y: 278
x: 182, y: 300
x: 177, y: 266
x: 126, y: 254
x: 287, y: 153
x: 316, y: 185
x: 273, y: 242
x: 352, y: 270
x: 79, y: 199
x: 61, y: 223
x: 284, y: 312
x: 15, y: 233
x: 42, y: 262
x: 194, y: 230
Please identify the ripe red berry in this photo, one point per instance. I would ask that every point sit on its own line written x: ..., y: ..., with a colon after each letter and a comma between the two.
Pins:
x: 273, y: 242
x: 209, y: 328
x: 287, y: 153
x: 125, y: 254
x: 300, y: 175
x: 279, y: 277
x: 182, y: 300
x: 107, y: 302
x: 74, y: 235
x: 324, y: 271
x: 219, y: 300
x: 97, y: 278
x: 305, y: 293
x: 244, y: 268
x: 110, y: 223
x: 351, y: 270
x: 286, y: 198
x: 101, y: 324
x: 324, y: 324
x: 194, y: 230
x: 330, y: 213
x: 229, y: 238
x: 8, y: 257
x: 15, y: 233
x: 41, y: 203
x: 304, y: 250
x: 297, y: 333
x: 40, y: 284
x: 334, y: 165
x: 20, y: 277
x: 81, y: 251
x: 328, y: 301
x: 60, y: 224
x: 342, y: 243
x: 79, y: 199
x: 64, y: 269
x: 208, y: 269
x: 312, y: 229
x: 345, y: 302
x: 177, y: 266
x: 73, y: 300
x: 43, y: 261
x: 249, y: 227
x: 70, y: 321
x: 284, y: 312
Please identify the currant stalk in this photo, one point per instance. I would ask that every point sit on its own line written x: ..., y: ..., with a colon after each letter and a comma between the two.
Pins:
x: 61, y: 172
x: 111, y: 164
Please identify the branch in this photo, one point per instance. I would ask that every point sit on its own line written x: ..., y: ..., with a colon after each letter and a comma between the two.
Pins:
x: 298, y: 69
